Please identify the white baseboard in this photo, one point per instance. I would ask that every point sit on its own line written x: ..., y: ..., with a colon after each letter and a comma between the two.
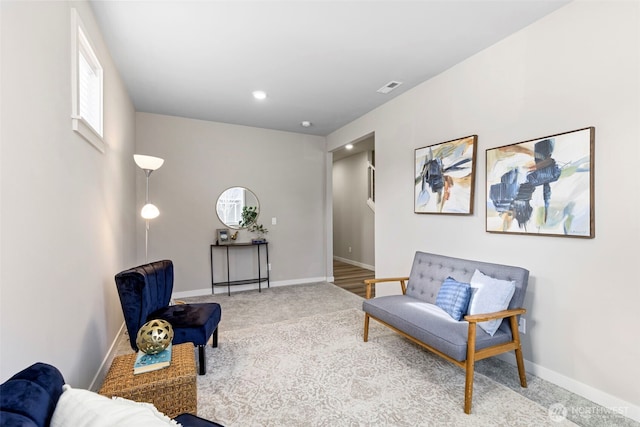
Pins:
x: 599, y: 397
x: 252, y: 286
x: 99, y: 377
x: 356, y: 263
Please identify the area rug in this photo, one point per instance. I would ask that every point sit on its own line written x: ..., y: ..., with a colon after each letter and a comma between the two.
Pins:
x: 317, y: 371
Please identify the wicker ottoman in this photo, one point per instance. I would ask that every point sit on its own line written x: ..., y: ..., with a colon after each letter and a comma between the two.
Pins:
x: 172, y: 390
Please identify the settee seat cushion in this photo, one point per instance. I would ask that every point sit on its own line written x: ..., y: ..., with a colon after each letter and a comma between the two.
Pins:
x: 430, y: 324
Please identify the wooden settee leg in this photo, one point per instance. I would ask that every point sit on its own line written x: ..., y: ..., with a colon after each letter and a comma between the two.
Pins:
x: 470, y: 366
x: 516, y: 339
x: 366, y: 327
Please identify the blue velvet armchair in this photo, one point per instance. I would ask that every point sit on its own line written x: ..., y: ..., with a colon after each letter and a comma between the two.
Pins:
x: 145, y: 292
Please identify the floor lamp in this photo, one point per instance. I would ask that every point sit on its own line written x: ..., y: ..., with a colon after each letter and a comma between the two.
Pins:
x: 149, y: 211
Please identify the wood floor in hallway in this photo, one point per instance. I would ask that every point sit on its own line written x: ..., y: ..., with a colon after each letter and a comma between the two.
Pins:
x: 351, y: 277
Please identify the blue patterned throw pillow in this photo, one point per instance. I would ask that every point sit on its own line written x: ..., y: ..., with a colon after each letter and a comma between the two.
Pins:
x: 453, y: 297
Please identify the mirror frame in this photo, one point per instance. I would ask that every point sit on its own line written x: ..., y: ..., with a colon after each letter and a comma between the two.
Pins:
x: 237, y: 210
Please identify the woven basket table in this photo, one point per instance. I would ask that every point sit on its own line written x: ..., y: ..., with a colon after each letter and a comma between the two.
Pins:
x: 172, y: 390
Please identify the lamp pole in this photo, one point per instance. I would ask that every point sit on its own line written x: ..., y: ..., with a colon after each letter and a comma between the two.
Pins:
x: 147, y: 172
x: 149, y: 211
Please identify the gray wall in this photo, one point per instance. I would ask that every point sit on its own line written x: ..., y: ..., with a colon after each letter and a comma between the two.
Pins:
x: 285, y: 170
x: 577, y: 67
x: 353, y: 220
x: 67, y: 210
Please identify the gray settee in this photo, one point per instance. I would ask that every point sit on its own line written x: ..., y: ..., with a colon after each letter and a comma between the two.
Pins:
x: 415, y: 315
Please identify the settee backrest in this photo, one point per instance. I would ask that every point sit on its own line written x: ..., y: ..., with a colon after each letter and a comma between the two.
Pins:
x: 143, y: 290
x: 430, y: 270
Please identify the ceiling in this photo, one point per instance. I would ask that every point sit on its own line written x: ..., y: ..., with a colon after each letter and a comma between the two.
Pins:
x: 318, y: 61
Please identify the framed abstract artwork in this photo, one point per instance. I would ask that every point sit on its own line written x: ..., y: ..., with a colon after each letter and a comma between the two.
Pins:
x: 543, y: 186
x: 445, y: 177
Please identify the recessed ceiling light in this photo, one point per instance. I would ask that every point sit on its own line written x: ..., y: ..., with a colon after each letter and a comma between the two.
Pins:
x: 259, y: 94
x: 348, y: 146
x: 305, y: 124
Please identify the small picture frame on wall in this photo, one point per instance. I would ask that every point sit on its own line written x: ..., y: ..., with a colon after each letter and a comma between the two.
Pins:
x: 223, y: 237
x: 445, y: 177
x: 543, y: 187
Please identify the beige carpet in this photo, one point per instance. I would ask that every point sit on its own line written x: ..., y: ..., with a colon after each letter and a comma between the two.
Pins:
x: 294, y: 352
x: 317, y: 371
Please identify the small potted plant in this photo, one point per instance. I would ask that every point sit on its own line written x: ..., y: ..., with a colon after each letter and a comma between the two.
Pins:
x: 249, y: 221
x: 249, y: 216
x: 260, y: 231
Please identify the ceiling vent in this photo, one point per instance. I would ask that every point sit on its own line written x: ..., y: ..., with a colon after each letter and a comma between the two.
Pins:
x: 389, y: 87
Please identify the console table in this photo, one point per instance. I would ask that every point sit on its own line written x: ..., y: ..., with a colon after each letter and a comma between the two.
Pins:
x: 239, y: 246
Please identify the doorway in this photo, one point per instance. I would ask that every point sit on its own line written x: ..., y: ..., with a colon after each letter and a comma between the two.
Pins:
x: 353, y: 201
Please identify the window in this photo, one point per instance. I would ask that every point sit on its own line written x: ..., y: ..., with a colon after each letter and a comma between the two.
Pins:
x: 86, y: 84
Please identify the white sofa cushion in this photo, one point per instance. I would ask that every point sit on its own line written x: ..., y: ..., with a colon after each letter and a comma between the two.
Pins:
x: 489, y: 295
x: 84, y: 408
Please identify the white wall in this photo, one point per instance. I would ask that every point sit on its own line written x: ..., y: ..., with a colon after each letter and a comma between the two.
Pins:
x: 285, y: 170
x: 353, y: 219
x: 577, y: 67
x: 67, y: 210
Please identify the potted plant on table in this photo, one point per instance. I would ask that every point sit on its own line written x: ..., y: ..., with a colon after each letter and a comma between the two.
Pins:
x: 249, y: 216
x: 249, y: 221
x: 260, y: 231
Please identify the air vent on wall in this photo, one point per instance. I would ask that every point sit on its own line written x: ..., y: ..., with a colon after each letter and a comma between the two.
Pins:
x: 389, y: 87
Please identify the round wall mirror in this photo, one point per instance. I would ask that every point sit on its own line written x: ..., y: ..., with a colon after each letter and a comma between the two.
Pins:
x: 238, y: 208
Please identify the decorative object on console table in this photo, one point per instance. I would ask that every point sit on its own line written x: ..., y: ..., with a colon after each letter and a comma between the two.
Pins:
x: 260, y: 230
x: 445, y: 177
x: 542, y: 186
x: 223, y: 236
x: 249, y: 216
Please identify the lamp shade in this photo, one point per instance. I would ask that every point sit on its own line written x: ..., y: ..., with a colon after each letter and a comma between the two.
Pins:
x: 149, y: 211
x: 148, y: 162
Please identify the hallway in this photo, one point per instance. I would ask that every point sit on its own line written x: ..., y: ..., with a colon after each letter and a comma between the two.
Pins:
x: 351, y: 277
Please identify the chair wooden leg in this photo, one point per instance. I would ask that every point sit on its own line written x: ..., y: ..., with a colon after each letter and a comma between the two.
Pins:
x: 470, y: 366
x: 201, y: 363
x: 519, y: 359
x: 214, y: 339
x: 366, y: 327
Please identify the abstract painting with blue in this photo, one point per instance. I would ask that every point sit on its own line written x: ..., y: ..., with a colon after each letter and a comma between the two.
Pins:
x: 542, y: 186
x: 444, y: 177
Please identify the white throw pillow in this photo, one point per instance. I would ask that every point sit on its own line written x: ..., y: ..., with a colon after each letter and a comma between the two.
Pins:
x: 489, y: 295
x: 84, y: 408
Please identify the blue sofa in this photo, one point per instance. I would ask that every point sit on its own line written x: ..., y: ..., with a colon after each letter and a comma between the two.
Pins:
x: 29, y: 398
